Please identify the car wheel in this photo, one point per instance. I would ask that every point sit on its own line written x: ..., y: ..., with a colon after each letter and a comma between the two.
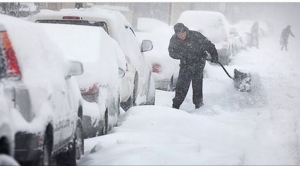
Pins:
x: 79, y: 141
x: 131, y: 100
x: 45, y: 161
x: 171, y: 85
x: 105, y: 127
x: 75, y: 150
x: 134, y: 95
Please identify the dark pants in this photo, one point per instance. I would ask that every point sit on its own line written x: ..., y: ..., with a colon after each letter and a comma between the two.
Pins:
x: 186, y: 76
x: 284, y: 44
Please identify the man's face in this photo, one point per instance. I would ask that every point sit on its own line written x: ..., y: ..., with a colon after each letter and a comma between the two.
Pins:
x: 182, y: 35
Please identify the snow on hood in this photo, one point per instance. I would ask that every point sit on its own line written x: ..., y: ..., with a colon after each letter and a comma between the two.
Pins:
x: 94, y: 48
x: 118, y: 26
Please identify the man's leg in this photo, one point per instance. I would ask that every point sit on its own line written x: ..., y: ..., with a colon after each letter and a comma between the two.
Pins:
x: 285, y: 47
x: 182, y: 87
x: 197, y: 83
x: 257, y: 45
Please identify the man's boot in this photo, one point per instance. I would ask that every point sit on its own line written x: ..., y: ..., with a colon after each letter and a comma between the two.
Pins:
x: 197, y: 106
x: 175, y: 106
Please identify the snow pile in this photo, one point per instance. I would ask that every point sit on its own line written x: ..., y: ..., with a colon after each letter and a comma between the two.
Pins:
x: 91, y: 46
x: 7, y: 161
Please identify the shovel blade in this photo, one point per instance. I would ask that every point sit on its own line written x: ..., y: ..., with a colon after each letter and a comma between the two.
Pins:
x: 242, y: 81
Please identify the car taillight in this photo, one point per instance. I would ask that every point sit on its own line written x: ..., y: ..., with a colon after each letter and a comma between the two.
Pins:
x: 71, y: 17
x: 91, y: 90
x: 8, y: 55
x: 156, y: 68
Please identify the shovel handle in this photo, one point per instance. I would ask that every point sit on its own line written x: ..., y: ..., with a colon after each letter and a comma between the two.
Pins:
x: 223, y: 68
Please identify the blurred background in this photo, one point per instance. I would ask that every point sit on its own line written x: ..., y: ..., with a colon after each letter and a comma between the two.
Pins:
x: 168, y: 12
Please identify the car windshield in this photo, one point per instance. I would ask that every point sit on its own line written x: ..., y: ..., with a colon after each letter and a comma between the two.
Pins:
x: 76, y: 22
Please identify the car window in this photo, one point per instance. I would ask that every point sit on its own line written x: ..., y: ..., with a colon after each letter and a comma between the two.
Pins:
x: 77, y: 22
x: 127, y: 27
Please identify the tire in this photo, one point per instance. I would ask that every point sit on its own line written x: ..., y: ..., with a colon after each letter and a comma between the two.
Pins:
x: 75, y: 150
x: 105, y: 128
x: 131, y: 100
x: 46, y: 156
x: 134, y: 94
x: 171, y: 86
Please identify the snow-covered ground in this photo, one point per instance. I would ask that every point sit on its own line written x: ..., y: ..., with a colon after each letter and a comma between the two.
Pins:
x: 232, y: 128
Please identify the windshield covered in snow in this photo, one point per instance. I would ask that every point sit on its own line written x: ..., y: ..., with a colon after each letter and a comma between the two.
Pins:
x: 76, y: 22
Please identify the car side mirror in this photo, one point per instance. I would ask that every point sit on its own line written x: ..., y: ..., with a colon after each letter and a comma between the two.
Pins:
x: 121, y: 73
x: 75, y: 69
x: 146, y: 46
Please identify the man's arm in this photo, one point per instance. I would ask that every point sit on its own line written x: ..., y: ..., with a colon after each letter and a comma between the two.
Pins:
x: 292, y: 33
x: 211, y: 49
x: 174, y: 50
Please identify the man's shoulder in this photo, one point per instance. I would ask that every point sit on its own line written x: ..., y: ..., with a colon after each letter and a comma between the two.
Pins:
x: 197, y: 34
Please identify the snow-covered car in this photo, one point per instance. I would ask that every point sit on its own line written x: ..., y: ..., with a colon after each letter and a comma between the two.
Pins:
x: 10, y: 8
x: 100, y: 83
x: 137, y: 84
x: 38, y: 81
x: 27, y: 9
x: 215, y: 27
x: 164, y: 68
x: 7, y: 142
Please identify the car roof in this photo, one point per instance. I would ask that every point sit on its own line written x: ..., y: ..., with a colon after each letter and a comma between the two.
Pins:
x: 94, y: 13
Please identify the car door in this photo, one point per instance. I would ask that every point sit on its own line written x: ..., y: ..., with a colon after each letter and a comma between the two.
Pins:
x: 143, y: 67
x: 69, y: 112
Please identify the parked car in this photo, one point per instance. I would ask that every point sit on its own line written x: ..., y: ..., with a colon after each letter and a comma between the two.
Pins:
x: 100, y: 83
x: 39, y: 83
x: 215, y: 27
x: 164, y: 68
x: 137, y: 85
x: 27, y: 8
x: 10, y: 8
x: 7, y: 138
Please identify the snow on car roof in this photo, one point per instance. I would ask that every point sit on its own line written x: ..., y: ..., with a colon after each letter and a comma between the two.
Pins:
x: 211, y: 24
x: 94, y: 12
x: 93, y: 47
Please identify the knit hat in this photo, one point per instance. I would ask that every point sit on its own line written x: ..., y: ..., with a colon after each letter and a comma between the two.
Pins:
x: 179, y: 28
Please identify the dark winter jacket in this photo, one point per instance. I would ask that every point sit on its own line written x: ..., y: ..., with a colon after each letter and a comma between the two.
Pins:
x: 285, y: 34
x: 191, y: 51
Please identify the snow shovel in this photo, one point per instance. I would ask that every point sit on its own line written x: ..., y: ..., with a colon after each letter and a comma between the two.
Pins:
x: 242, y: 81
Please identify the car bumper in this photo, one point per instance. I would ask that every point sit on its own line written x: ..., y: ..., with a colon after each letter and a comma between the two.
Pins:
x: 90, y: 129
x: 29, y: 147
x: 165, y: 84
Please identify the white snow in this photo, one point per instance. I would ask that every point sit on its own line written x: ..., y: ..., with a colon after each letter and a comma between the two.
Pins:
x: 6, y: 160
x: 232, y: 128
x: 213, y: 25
x: 41, y: 61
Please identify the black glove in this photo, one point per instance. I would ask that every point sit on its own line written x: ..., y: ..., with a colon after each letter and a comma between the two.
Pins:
x: 214, y: 58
